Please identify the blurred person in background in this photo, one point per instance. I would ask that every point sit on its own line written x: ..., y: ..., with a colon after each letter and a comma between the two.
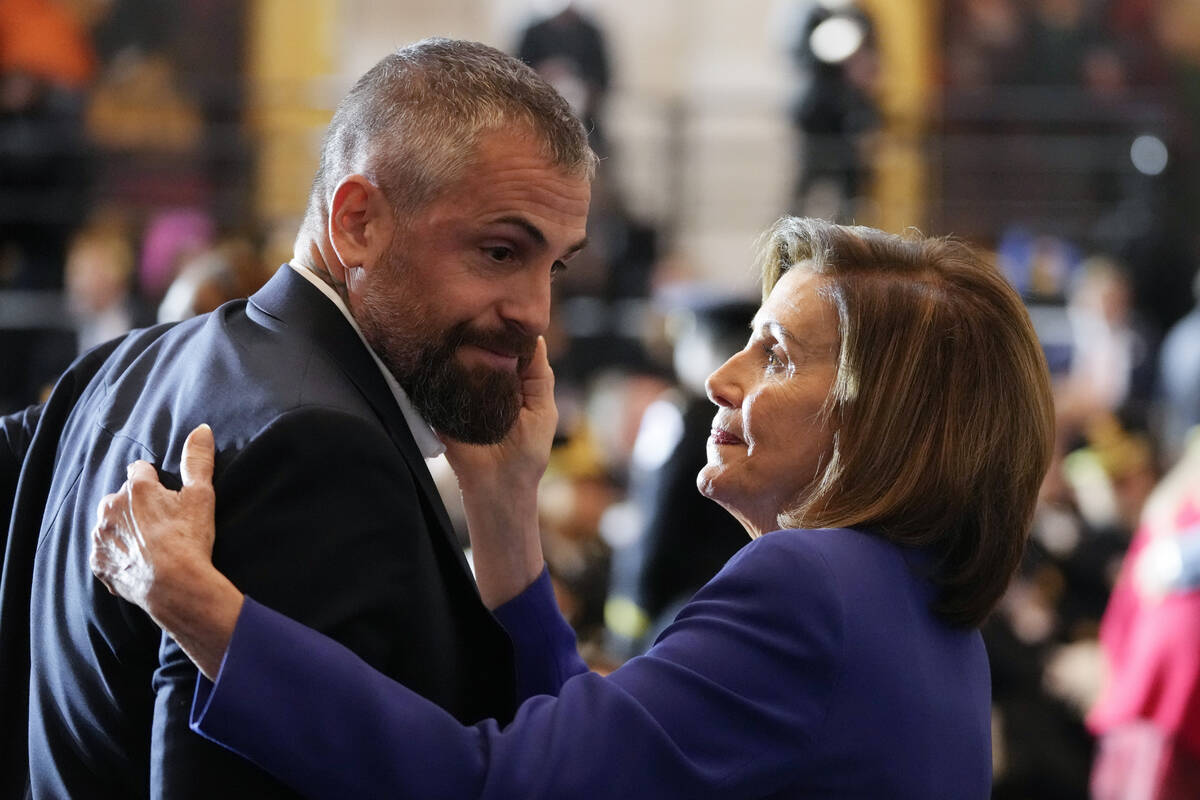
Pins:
x: 835, y: 110
x: 652, y: 579
x: 171, y: 238
x: 100, y: 284
x: 228, y: 271
x: 1113, y: 352
x: 580, y: 500
x: 453, y: 184
x: 1179, y: 379
x: 568, y: 49
x: 983, y: 47
x: 881, y: 437
x: 1063, y: 44
x: 1042, y: 640
x: 1147, y: 718
x: 167, y: 116
x: 46, y: 64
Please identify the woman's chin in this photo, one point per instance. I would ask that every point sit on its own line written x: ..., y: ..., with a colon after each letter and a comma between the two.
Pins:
x: 707, y: 480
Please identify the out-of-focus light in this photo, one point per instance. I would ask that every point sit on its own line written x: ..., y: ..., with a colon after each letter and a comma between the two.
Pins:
x: 1148, y: 154
x: 836, y: 5
x: 836, y: 39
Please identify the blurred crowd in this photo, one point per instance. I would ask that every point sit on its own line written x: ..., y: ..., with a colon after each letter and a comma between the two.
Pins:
x: 124, y: 166
x: 1065, y: 141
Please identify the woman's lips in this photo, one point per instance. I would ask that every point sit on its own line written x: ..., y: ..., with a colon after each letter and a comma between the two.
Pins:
x: 720, y: 436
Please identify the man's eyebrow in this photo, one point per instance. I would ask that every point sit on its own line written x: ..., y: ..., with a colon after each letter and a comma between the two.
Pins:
x: 575, y: 248
x: 535, y: 233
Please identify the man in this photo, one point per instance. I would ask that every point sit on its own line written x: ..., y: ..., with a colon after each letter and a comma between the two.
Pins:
x: 453, y: 184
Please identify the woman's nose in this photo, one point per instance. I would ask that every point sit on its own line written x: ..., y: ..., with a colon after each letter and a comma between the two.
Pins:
x: 722, y: 385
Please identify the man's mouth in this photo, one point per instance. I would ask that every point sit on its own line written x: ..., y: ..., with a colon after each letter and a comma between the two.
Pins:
x: 505, y: 350
x: 496, y: 359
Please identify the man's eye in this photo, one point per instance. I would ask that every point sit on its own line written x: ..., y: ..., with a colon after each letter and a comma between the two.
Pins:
x: 557, y: 268
x: 500, y: 253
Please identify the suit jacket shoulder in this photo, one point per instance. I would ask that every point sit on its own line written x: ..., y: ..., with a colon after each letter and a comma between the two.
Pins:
x: 325, y: 507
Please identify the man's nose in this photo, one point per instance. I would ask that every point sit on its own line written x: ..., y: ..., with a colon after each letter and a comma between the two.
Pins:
x: 527, y: 303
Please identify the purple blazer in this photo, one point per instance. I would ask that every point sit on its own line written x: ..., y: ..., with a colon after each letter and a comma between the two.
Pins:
x: 811, y: 666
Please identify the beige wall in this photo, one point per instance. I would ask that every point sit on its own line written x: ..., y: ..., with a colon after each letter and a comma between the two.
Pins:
x: 706, y: 79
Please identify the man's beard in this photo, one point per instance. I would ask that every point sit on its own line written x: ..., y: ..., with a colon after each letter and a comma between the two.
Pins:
x: 476, y: 405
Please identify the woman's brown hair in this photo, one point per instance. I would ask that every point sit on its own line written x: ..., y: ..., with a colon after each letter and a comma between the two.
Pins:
x: 941, y: 409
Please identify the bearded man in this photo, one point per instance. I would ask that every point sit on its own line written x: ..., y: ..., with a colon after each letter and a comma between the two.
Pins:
x: 453, y: 184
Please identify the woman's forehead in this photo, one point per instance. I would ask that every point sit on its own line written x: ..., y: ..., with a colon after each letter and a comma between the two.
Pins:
x: 797, y: 305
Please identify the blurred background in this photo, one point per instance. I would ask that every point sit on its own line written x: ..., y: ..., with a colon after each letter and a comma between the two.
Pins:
x: 155, y: 157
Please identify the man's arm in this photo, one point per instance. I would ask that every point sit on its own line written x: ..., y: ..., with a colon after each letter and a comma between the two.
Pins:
x: 16, y: 431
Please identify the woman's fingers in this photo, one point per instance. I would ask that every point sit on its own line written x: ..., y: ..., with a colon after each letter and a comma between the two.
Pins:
x: 116, y: 557
x: 140, y: 471
x: 199, y: 451
x: 537, y: 384
x: 106, y: 511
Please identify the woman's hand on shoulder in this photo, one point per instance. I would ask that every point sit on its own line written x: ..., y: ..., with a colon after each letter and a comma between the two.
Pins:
x: 153, y: 547
x: 145, y: 532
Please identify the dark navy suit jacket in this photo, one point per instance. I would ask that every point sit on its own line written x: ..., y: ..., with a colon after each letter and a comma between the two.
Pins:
x: 325, y: 510
x: 811, y: 666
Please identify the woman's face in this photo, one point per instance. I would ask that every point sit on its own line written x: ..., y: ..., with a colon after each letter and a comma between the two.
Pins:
x: 768, y: 441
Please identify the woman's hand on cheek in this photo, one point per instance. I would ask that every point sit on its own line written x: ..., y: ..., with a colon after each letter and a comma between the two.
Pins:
x: 518, y: 461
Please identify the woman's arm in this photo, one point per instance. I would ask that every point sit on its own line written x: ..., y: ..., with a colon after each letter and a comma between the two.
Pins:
x: 153, y: 547
x: 729, y: 703
x: 499, y: 488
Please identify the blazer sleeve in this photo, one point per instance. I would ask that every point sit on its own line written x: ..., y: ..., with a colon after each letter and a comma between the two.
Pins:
x: 730, y: 700
x: 16, y: 431
x: 318, y: 513
x: 543, y: 643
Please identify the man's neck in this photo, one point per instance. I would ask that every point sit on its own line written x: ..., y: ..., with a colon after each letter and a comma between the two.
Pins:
x: 308, y: 255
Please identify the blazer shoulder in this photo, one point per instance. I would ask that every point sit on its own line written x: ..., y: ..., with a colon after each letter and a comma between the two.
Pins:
x: 779, y: 583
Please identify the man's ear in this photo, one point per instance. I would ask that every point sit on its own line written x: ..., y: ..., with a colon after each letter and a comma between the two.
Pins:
x: 360, y: 222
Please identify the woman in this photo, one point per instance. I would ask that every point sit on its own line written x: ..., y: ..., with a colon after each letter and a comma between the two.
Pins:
x: 882, y: 438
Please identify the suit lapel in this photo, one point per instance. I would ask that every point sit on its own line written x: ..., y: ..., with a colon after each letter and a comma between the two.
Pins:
x: 293, y: 301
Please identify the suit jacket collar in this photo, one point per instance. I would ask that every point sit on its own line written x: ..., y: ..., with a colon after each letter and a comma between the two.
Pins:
x: 423, y: 434
x: 298, y: 305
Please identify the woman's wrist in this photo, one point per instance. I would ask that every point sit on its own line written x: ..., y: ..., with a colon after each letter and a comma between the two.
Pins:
x: 500, y: 488
x: 198, y: 607
x: 505, y: 544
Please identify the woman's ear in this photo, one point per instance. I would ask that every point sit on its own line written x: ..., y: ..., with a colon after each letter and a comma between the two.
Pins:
x: 360, y: 223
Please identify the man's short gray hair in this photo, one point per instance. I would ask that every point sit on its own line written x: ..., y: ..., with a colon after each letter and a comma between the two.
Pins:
x: 412, y: 122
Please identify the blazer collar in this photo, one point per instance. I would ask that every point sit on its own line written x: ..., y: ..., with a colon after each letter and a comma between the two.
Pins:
x: 300, y: 306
